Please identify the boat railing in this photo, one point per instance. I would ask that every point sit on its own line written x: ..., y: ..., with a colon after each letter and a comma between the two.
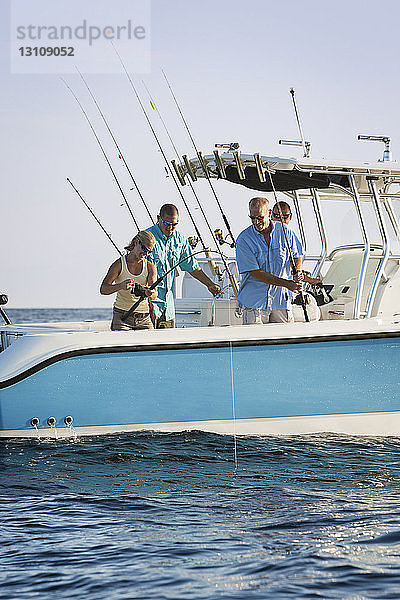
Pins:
x: 322, y: 232
x: 386, y: 248
x: 7, y: 338
x: 351, y: 247
x: 381, y: 201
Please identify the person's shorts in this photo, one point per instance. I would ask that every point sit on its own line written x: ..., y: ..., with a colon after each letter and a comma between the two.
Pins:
x: 162, y: 323
x: 135, y: 321
x: 260, y: 316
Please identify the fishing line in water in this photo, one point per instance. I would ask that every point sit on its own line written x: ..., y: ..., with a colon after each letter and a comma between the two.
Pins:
x: 233, y: 407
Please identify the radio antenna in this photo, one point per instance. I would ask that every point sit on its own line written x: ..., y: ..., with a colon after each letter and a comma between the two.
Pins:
x: 306, y: 146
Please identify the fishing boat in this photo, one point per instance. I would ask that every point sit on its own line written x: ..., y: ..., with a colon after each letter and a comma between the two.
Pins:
x: 339, y: 372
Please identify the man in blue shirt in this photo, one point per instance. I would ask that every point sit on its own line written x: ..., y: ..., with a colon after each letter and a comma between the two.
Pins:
x: 170, y: 248
x: 264, y: 264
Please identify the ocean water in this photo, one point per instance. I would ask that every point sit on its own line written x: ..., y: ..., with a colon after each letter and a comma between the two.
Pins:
x: 170, y: 516
x: 50, y: 315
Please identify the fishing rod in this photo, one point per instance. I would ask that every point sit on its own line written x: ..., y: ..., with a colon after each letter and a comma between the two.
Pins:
x: 159, y: 144
x: 214, y: 268
x: 156, y: 283
x: 200, y: 159
x: 116, y: 143
x: 168, y: 165
x: 103, y: 151
x: 94, y: 216
x: 292, y: 263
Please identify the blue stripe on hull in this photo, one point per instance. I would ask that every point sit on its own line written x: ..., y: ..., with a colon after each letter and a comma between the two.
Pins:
x: 195, y: 385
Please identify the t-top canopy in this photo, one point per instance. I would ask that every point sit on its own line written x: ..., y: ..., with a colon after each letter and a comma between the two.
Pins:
x: 255, y: 171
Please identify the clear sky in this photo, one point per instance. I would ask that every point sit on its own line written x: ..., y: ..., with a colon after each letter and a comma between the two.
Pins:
x: 231, y: 64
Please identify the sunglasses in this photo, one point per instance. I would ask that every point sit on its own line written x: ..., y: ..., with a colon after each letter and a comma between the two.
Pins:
x: 144, y: 249
x: 169, y: 224
x: 278, y: 216
x: 258, y: 219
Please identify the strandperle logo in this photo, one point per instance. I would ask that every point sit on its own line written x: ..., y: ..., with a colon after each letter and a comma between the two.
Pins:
x: 82, y: 32
x: 52, y: 36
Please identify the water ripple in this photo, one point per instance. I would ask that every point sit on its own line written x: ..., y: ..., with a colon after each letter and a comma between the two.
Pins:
x: 152, y: 515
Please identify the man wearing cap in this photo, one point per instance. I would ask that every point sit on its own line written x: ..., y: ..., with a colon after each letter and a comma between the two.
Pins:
x: 263, y: 261
x: 170, y: 248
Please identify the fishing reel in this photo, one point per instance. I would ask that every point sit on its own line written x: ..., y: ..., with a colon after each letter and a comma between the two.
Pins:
x: 300, y: 298
x: 3, y: 299
x: 219, y: 236
x: 138, y: 290
x: 193, y: 241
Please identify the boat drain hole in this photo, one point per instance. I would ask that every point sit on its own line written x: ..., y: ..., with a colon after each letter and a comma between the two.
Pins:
x: 34, y: 421
x: 68, y: 420
x: 51, y: 421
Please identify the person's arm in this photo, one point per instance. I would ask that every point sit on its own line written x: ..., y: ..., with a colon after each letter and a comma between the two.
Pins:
x: 151, y: 278
x: 270, y: 279
x: 297, y: 263
x: 312, y: 280
x: 299, y: 275
x: 213, y: 288
x: 297, y: 253
x: 303, y: 275
x: 108, y: 286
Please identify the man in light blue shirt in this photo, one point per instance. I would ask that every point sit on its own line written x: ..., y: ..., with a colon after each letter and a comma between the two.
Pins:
x: 263, y: 261
x: 170, y: 248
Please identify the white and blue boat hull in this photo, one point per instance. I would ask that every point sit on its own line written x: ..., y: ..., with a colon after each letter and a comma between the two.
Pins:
x: 287, y: 383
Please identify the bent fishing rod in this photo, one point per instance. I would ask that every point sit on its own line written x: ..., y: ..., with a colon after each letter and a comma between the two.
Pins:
x: 103, y: 151
x: 231, y: 277
x: 94, y: 216
x: 291, y: 259
x: 200, y: 159
x: 159, y: 145
x: 120, y: 153
x: 214, y: 268
x: 156, y: 283
x: 168, y: 165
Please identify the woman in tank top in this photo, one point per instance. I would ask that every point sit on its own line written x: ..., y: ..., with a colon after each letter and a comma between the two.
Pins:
x: 132, y: 268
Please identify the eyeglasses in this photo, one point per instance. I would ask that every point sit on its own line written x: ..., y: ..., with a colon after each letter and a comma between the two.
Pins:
x: 258, y: 219
x: 169, y: 224
x: 144, y: 249
x: 278, y: 216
